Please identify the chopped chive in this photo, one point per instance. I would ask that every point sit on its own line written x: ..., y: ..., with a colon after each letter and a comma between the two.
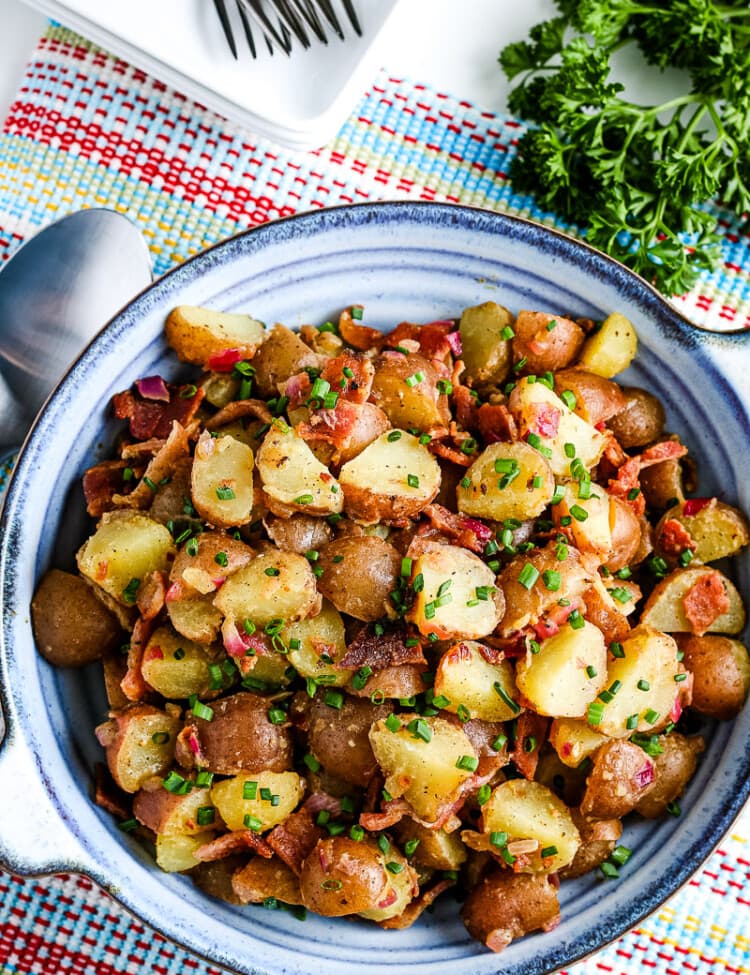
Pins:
x: 412, y: 480
x: 591, y: 671
x: 463, y: 713
x: 467, y: 762
x: 204, y: 780
x: 221, y: 559
x: 414, y: 379
x: 499, y: 743
x: 225, y: 493
x: 420, y: 729
x: 621, y: 594
x: 505, y: 697
x: 616, y: 649
x: 311, y: 762
x: 498, y: 838
x: 507, y: 333
x: 483, y: 794
x: 357, y: 311
x: 205, y: 815
x: 673, y: 808
x: 528, y: 575
x: 548, y: 851
x: 595, y: 713
x: 272, y: 571
x: 568, y: 397
x: 579, y: 513
x: 160, y: 737
x: 410, y: 846
x: 651, y: 716
x: 445, y: 386
x: 609, y: 870
x: 253, y: 823
x: 552, y: 580
x: 130, y: 591
x: 465, y: 482
x: 201, y: 710
x: 128, y: 825
x: 643, y: 685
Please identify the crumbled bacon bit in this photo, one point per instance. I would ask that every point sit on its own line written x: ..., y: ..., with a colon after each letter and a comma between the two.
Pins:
x: 355, y: 388
x: 705, y: 602
x: 496, y: 423
x: 465, y: 531
x: 675, y: 538
x: 529, y: 725
x: 295, y: 838
x: 152, y: 418
x: 100, y: 484
x: 239, y: 841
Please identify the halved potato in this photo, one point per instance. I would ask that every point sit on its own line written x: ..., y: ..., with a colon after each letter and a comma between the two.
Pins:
x: 456, y: 594
x: 507, y: 480
x: 316, y: 645
x: 196, y: 618
x: 126, y: 547
x: 139, y: 742
x: 611, y: 348
x: 574, y: 740
x: 283, y: 354
x: 257, y: 801
x: 641, y: 686
x: 665, y: 607
x: 177, y: 853
x: 566, y: 674
x: 275, y: 585
x: 222, y: 480
x: 470, y: 681
x: 405, y: 387
x: 437, y: 850
x: 198, y: 333
x: 530, y: 811
x: 175, y: 667
x: 716, y: 530
x: 293, y: 478
x: 419, y: 760
x: 168, y: 814
x: 391, y: 480
x: 548, y: 425
x: 486, y: 354
x: 589, y: 518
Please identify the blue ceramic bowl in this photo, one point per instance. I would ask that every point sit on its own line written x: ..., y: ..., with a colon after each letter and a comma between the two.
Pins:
x: 403, y: 261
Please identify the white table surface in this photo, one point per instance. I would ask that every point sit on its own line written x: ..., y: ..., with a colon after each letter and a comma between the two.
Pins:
x: 456, y: 55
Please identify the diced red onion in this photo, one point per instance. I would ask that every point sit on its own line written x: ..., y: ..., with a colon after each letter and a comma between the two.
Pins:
x: 645, y: 776
x: 390, y: 898
x: 153, y: 387
x: 693, y: 505
x: 482, y: 531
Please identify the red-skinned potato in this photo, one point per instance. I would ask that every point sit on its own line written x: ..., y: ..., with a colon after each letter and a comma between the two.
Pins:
x: 621, y: 777
x: 598, y: 838
x: 342, y: 876
x: 505, y: 906
x: 168, y: 814
x: 596, y: 398
x: 675, y: 766
x: 299, y: 534
x: 358, y: 574
x: 240, y: 738
x: 545, y: 342
x: 641, y: 421
x: 419, y: 404
x: 261, y: 878
x: 626, y: 535
x: 139, y: 742
x: 71, y: 626
x: 721, y: 674
x: 338, y: 737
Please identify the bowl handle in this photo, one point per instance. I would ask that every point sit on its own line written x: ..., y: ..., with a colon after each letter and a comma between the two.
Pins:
x: 35, y: 837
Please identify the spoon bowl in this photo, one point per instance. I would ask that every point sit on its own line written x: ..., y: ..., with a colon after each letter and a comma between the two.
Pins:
x: 56, y: 292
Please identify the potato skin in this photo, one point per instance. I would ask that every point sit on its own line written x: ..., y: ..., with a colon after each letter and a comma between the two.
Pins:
x: 283, y: 354
x: 71, y: 626
x: 674, y: 769
x: 598, y: 839
x: 353, y: 873
x: 640, y: 421
x: 721, y: 674
x: 597, y: 398
x: 132, y: 754
x: 421, y: 405
x: 338, y: 738
x: 365, y: 572
x: 299, y: 534
x: 545, y: 349
x: 214, y: 877
x: 621, y: 777
x: 505, y: 906
x: 626, y: 535
x: 240, y: 738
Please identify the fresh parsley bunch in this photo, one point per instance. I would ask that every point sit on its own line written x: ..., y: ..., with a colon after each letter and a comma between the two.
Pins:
x: 636, y: 175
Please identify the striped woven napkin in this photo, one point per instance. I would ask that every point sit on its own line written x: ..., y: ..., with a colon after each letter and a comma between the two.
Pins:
x: 87, y: 129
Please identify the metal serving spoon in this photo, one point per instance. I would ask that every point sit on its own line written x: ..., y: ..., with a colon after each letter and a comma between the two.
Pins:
x: 56, y: 293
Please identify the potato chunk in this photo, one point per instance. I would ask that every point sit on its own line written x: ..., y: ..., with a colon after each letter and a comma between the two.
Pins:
x: 485, y: 352
x: 506, y: 906
x: 644, y: 681
x: 611, y: 348
x: 391, y: 480
x: 524, y: 810
x: 196, y: 333
x: 507, y: 480
x: 406, y: 390
x: 175, y: 667
x: 293, y: 478
x: 316, y: 644
x: 574, y: 740
x: 468, y: 678
x: 456, y: 594
x: 275, y: 585
x: 721, y: 674
x: 175, y: 854
x: 126, y: 547
x: 716, y: 530
x: 590, y: 519
x: 545, y: 342
x: 419, y: 760
x: 139, y: 742
x: 665, y: 608
x: 222, y: 480
x: 550, y: 426
x: 566, y: 674
x: 257, y: 801
x: 171, y: 815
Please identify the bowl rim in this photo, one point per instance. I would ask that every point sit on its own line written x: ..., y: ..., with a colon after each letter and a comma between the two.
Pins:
x: 643, y: 293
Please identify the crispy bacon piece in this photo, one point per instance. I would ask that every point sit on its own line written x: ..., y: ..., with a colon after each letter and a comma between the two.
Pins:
x: 467, y: 411
x: 391, y: 813
x: 153, y: 418
x: 134, y: 687
x: 151, y: 595
x: 544, y: 419
x: 496, y: 423
x: 175, y: 448
x: 447, y: 452
x: 414, y: 910
x: 465, y: 531
x: 705, y: 601
x: 101, y: 483
x: 665, y: 450
x: 529, y: 726
x: 675, y: 538
x: 188, y: 751
x: 348, y: 423
x: 109, y: 795
x: 294, y: 839
x: 240, y: 841
x: 627, y: 478
x: 355, y: 388
x: 360, y: 337
x: 379, y: 652
x: 432, y: 338
x: 238, y: 411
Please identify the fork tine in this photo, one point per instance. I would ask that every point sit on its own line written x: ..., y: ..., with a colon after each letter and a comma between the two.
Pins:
x: 246, y: 27
x: 307, y: 11
x: 221, y: 10
x: 290, y: 18
x: 352, y: 15
x: 255, y: 9
x: 330, y: 16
